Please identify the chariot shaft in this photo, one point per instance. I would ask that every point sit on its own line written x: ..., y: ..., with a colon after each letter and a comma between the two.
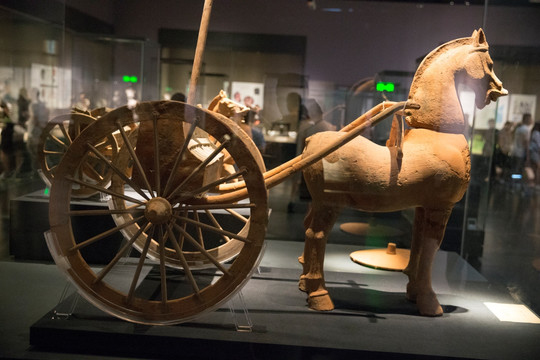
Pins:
x: 281, y: 173
x: 199, y: 52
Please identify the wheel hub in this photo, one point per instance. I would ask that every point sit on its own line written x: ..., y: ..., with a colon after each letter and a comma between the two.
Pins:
x: 158, y: 211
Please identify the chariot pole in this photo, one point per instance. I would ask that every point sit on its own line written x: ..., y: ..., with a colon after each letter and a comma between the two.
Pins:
x: 199, y: 52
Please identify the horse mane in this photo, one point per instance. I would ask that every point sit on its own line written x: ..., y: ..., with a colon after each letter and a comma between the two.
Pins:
x: 433, y: 55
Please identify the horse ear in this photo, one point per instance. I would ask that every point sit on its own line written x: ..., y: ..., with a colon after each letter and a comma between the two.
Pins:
x: 479, y: 38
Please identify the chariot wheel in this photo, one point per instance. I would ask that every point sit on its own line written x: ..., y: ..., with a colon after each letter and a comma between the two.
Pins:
x: 166, y: 209
x: 56, y: 138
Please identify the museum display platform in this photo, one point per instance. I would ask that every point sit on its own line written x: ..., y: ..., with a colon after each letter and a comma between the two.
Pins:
x: 372, y: 319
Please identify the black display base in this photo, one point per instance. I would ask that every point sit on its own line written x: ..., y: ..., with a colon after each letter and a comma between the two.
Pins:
x: 372, y: 320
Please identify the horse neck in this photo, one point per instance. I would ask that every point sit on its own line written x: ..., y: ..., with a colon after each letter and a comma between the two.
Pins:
x: 434, y: 89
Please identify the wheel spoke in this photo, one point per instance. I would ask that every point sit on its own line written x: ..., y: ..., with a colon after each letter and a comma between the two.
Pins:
x: 183, y: 261
x: 77, y: 129
x: 202, y: 250
x: 106, y: 191
x: 131, y: 150
x: 237, y: 215
x: 202, y: 165
x: 92, y: 170
x: 58, y: 141
x: 120, y: 253
x: 219, y: 206
x: 51, y: 152
x: 51, y: 168
x: 199, y: 229
x: 156, y: 158
x: 179, y: 157
x: 104, y: 234
x: 64, y: 131
x: 211, y: 228
x: 162, y: 269
x: 118, y: 172
x: 139, y: 266
x: 103, y: 212
x: 216, y: 224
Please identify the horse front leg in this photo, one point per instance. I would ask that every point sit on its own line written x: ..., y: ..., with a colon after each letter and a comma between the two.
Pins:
x: 428, y: 242
x: 307, y: 223
x: 322, y: 219
x: 412, y: 267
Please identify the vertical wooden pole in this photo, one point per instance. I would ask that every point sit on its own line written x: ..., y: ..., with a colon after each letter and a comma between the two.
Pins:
x: 199, y: 52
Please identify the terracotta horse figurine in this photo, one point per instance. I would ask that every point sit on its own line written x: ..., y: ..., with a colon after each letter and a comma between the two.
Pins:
x: 427, y: 168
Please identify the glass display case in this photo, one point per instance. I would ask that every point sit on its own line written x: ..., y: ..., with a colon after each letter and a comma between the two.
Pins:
x: 86, y: 80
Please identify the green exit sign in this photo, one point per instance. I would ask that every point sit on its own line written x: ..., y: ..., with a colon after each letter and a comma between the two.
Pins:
x: 130, y: 78
x: 385, y: 86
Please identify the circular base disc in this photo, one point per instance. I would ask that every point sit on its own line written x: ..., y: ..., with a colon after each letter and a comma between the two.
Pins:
x: 365, y: 229
x: 380, y: 259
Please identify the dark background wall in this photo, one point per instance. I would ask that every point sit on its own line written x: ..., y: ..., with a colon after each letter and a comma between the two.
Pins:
x: 364, y: 38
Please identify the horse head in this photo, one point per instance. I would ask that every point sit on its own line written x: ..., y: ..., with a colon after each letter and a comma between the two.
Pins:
x: 434, y: 87
x: 478, y: 71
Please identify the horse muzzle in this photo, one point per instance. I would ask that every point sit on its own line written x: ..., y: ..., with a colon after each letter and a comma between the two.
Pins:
x: 494, y: 94
x: 495, y: 89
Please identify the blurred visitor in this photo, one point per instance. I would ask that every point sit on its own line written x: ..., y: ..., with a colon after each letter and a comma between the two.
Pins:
x: 296, y: 113
x: 503, y: 152
x: 178, y: 97
x: 83, y: 103
x: 256, y: 133
x: 313, y: 124
x: 39, y: 116
x: 7, y: 151
x: 488, y: 150
x: 534, y: 152
x: 520, y: 146
x: 23, y: 103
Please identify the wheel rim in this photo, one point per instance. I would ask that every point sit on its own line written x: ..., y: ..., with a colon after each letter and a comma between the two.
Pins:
x: 159, y: 217
x: 56, y: 138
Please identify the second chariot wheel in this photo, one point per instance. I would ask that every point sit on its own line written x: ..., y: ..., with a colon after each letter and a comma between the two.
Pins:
x: 164, y: 204
x: 55, y: 139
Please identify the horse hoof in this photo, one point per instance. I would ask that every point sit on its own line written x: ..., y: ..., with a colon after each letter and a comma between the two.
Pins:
x: 320, y: 301
x: 302, y: 284
x: 428, y: 305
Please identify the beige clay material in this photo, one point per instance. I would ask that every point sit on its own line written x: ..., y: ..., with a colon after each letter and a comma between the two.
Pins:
x: 426, y: 167
x: 391, y: 258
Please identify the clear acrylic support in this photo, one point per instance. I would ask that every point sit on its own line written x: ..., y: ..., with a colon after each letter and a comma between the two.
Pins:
x: 240, y: 314
x: 64, y: 309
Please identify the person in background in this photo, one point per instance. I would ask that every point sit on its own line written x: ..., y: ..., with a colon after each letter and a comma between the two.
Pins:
x: 178, y: 97
x: 488, y: 150
x: 23, y: 102
x: 312, y: 124
x: 296, y: 113
x: 38, y: 120
x: 520, y: 145
x: 534, y: 152
x: 504, y: 150
x: 7, y: 151
x: 252, y: 119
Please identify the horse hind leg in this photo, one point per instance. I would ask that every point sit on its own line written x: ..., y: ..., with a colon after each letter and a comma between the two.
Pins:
x: 425, y: 246
x: 321, y: 220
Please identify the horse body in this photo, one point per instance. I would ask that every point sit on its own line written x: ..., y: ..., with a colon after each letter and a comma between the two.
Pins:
x: 429, y: 171
x: 370, y: 177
